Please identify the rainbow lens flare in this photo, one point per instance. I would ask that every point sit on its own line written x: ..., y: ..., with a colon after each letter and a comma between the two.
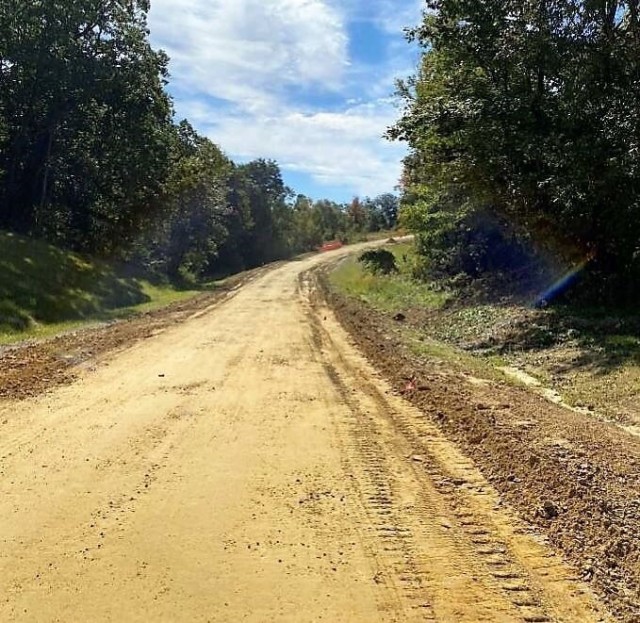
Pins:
x: 562, y: 284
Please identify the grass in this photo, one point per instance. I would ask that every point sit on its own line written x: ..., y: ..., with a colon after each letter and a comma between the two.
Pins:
x: 387, y: 292
x: 422, y: 345
x: 590, y: 356
x: 45, y: 290
x: 397, y: 293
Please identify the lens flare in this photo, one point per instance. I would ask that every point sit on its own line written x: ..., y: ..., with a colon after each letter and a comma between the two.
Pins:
x: 562, y: 284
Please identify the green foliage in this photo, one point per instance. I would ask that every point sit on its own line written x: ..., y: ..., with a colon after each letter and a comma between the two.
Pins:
x: 473, y: 243
x: 393, y: 292
x: 330, y: 220
x: 86, y: 118
x: 357, y: 215
x: 195, y: 207
x: 260, y: 221
x: 530, y: 111
x: 379, y: 261
x: 91, y: 160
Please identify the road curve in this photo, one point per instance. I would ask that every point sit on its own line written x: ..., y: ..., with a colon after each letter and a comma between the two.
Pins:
x: 249, y: 465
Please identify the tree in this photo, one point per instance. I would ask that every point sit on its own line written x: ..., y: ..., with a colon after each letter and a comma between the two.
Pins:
x: 261, y: 219
x: 529, y: 111
x: 87, y: 120
x: 192, y: 227
x: 330, y: 219
x: 90, y: 158
x: 387, y: 206
x: 375, y: 219
x: 357, y: 215
x: 308, y: 228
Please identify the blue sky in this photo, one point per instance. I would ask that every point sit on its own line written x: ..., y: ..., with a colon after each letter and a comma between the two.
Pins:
x: 308, y: 83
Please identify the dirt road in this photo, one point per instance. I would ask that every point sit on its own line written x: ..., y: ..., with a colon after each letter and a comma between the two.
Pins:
x: 249, y: 465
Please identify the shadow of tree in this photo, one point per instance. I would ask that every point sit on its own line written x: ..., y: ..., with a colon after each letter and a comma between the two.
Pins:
x: 41, y: 283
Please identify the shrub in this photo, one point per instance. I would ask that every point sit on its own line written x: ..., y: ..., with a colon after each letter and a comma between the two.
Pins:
x: 379, y: 261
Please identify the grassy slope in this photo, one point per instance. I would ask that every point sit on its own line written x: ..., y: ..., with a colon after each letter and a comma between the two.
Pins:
x: 589, y: 357
x: 387, y: 292
x: 44, y: 289
x: 401, y: 294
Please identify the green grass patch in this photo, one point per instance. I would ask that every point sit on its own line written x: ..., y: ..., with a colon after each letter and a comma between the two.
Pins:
x: 484, y: 367
x: 45, y: 290
x: 399, y: 293
x: 590, y: 356
x: 387, y: 292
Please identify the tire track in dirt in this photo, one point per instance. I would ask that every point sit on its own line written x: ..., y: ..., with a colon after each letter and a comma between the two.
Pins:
x: 572, y: 477
x: 497, y: 547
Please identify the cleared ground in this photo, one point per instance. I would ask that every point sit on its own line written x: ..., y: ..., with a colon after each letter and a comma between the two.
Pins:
x: 248, y: 464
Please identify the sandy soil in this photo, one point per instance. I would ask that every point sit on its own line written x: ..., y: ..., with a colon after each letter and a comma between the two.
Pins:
x: 248, y: 464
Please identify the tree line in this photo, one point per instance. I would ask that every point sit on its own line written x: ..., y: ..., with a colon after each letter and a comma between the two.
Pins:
x: 524, y: 127
x: 91, y: 158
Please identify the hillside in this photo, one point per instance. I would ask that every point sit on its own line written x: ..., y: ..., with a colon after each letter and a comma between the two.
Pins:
x: 44, y: 288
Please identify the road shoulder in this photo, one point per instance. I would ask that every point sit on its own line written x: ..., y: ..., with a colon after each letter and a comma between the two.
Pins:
x: 553, y: 466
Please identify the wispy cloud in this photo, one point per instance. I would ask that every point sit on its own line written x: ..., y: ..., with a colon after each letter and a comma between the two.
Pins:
x: 247, y: 52
x: 273, y: 78
x: 337, y: 149
x: 392, y: 16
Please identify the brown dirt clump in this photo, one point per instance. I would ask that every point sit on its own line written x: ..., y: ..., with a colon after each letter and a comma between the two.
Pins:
x: 574, y: 477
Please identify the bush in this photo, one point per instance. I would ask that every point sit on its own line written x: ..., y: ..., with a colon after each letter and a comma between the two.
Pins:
x: 379, y: 261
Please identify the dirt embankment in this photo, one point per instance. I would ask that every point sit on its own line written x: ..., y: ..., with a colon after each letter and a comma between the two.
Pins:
x: 574, y: 478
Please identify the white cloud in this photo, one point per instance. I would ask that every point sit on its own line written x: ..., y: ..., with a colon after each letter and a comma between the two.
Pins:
x: 392, y: 16
x: 248, y: 51
x: 236, y: 66
x: 336, y: 149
